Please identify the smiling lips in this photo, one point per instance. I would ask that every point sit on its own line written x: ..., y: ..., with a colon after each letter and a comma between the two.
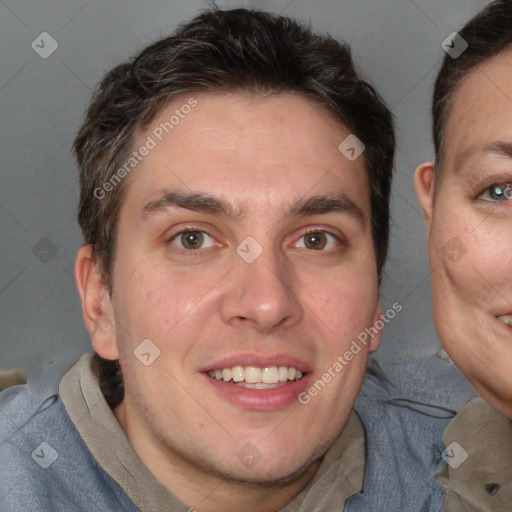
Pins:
x: 257, y: 377
x: 257, y: 381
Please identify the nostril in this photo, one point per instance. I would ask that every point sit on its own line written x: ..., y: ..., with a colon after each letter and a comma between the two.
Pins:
x: 492, y: 489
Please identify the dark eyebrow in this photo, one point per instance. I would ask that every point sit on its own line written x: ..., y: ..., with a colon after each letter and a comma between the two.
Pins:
x: 201, y: 202
x: 498, y: 148
x: 318, y: 205
x: 195, y: 201
x: 502, y: 148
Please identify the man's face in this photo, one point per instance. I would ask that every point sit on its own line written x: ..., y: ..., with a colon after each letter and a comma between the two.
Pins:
x: 470, y: 241
x: 209, y: 301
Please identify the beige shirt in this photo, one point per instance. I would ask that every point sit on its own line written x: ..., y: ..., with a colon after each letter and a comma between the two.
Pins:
x: 478, y: 477
x: 339, y: 476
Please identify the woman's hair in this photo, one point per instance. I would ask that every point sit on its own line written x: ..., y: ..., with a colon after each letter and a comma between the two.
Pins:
x: 486, y: 35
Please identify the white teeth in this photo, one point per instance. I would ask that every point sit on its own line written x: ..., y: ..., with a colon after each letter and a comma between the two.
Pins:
x: 283, y: 374
x: 270, y: 375
x: 237, y: 374
x: 257, y: 378
x: 252, y: 374
x: 506, y: 319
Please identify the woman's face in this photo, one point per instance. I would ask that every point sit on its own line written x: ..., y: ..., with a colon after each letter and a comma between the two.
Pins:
x: 468, y: 210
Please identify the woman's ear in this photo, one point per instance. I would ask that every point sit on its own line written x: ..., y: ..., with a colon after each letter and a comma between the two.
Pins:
x: 424, y: 181
x: 97, y: 308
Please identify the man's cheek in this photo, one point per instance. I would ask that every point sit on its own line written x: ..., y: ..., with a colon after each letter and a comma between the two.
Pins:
x: 338, y: 306
x: 143, y: 389
x: 147, y: 304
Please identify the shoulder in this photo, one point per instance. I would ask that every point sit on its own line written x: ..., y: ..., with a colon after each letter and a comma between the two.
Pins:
x: 21, y: 405
x: 46, y: 466
x: 29, y: 418
x: 405, y: 408
x: 478, y: 473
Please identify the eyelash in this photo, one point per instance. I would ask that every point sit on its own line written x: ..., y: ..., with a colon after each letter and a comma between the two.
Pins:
x: 195, y: 252
x: 336, y: 237
x: 186, y: 252
x: 505, y: 186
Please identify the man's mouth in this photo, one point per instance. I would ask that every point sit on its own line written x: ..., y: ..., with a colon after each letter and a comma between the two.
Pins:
x: 253, y: 377
x: 506, y: 319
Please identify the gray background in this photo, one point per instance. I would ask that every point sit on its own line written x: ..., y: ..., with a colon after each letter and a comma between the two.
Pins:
x: 396, y: 45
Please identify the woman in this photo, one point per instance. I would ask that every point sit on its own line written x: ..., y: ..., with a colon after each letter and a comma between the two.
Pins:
x: 466, y: 197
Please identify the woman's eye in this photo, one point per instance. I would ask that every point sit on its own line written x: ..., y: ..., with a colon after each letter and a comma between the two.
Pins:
x: 190, y: 240
x: 318, y: 240
x: 498, y: 192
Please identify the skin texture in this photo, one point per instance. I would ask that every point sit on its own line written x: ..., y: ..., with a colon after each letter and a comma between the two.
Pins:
x: 472, y: 275
x: 261, y: 155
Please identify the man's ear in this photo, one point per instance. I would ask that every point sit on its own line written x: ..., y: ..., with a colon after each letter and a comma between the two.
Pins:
x: 424, y: 181
x: 96, y: 305
x: 375, y: 342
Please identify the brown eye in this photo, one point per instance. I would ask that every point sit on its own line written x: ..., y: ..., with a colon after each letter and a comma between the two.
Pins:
x: 316, y: 240
x: 191, y: 240
x: 319, y: 240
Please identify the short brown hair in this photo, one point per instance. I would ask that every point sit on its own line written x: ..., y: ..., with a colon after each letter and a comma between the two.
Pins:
x: 487, y: 34
x: 228, y: 51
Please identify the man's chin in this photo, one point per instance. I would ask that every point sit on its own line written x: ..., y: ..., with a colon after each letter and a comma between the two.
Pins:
x: 261, y: 475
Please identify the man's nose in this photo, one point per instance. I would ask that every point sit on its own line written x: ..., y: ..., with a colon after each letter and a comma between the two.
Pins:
x: 261, y: 291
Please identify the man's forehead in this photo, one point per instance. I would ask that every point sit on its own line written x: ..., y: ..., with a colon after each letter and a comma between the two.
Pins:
x: 303, y: 176
x: 224, y: 119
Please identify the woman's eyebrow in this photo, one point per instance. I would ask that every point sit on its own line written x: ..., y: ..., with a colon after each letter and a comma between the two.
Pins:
x: 501, y: 148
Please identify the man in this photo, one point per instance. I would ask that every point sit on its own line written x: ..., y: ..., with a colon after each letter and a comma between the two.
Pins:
x: 234, y: 183
x: 466, y: 196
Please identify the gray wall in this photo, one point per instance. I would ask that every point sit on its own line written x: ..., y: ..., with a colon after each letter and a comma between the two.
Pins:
x: 396, y: 44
